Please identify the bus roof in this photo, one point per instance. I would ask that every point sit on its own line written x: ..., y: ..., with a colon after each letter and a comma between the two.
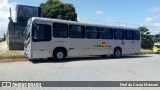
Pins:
x: 78, y: 23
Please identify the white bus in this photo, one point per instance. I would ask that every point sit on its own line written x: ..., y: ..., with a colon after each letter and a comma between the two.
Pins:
x: 47, y: 38
x: 156, y: 46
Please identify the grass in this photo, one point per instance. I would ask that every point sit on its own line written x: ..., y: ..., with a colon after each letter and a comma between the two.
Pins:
x: 11, y: 56
x: 144, y: 52
x: 147, y: 52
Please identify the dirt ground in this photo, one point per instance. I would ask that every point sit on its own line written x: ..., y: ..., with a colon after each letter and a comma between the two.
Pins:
x: 3, y: 46
x: 5, y: 51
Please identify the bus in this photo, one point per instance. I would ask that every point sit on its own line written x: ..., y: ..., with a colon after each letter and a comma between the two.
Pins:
x: 156, y: 46
x: 53, y: 38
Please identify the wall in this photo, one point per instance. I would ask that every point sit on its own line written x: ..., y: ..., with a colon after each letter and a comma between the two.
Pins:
x: 23, y: 13
x: 15, y: 33
x: 15, y: 36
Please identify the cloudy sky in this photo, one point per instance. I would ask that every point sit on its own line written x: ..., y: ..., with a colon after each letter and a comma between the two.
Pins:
x: 4, y: 14
x: 131, y: 13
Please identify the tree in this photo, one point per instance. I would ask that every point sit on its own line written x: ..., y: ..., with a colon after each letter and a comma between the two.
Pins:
x: 147, y: 40
x: 59, y: 10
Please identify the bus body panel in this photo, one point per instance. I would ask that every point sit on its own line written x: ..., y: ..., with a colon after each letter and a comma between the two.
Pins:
x: 27, y: 51
x: 77, y: 46
x: 27, y: 42
x: 108, y: 47
x: 127, y: 49
x: 42, y: 49
x: 156, y: 46
x: 90, y: 47
x: 136, y: 46
x: 131, y: 46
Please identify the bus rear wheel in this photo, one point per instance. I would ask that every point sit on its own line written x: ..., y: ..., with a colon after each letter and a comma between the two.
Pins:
x: 59, y: 55
x: 117, y: 53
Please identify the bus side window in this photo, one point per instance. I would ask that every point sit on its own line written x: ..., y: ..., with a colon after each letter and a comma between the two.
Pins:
x: 60, y: 30
x: 137, y: 35
x: 107, y: 33
x: 41, y: 32
x: 129, y: 34
x: 92, y: 32
x: 76, y: 31
x: 118, y: 34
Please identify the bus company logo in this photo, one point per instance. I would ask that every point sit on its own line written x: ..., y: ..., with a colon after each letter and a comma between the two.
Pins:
x: 104, y: 44
x: 6, y: 84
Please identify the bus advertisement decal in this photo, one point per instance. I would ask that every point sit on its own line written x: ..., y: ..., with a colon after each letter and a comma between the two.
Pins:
x: 104, y: 44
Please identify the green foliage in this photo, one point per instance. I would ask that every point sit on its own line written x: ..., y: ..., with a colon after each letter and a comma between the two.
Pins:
x: 147, y: 40
x: 2, y: 57
x: 59, y: 10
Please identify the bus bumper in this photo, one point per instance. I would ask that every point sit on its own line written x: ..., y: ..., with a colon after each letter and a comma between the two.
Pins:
x: 156, y: 50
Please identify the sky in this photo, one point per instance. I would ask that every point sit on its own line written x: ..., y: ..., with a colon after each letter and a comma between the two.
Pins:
x: 130, y: 13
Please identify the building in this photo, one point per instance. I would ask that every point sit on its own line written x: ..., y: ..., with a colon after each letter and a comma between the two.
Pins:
x: 15, y: 33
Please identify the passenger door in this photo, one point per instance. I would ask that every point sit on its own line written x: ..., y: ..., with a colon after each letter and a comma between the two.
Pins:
x: 129, y: 41
x: 137, y: 41
x: 76, y: 43
x: 41, y: 40
x: 93, y: 39
x: 119, y: 39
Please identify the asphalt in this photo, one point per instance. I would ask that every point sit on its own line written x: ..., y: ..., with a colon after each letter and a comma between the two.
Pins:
x: 127, y: 68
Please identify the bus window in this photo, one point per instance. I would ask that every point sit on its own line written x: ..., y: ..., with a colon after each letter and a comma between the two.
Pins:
x: 137, y: 35
x: 118, y: 34
x: 60, y: 30
x: 129, y: 34
x: 76, y: 31
x: 107, y: 33
x: 41, y: 32
x: 92, y: 32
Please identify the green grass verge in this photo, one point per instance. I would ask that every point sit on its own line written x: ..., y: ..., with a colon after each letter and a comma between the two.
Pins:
x: 12, y: 57
x: 144, y: 52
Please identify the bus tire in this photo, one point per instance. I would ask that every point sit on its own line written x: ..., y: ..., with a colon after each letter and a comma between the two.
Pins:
x: 59, y: 55
x: 117, y: 53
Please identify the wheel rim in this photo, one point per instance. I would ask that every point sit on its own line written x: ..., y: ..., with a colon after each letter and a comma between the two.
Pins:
x: 117, y: 53
x: 60, y: 55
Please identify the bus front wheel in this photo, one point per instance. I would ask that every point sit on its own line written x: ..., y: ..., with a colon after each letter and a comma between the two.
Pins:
x: 59, y: 55
x: 117, y: 53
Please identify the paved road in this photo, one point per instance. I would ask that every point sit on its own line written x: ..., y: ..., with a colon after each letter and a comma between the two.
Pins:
x: 127, y: 68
